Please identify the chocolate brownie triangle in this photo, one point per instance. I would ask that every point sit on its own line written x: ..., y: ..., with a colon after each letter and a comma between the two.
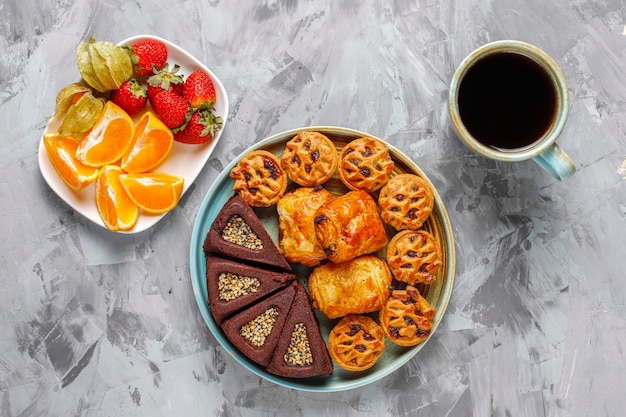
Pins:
x: 237, y: 232
x: 233, y: 285
x: 301, y: 351
x: 255, y: 331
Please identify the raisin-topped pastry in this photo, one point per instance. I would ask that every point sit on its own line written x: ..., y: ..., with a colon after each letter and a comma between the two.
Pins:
x: 407, y: 317
x: 349, y: 226
x: 358, y: 286
x: 413, y: 256
x: 296, y: 216
x: 365, y: 164
x: 356, y: 342
x: 259, y: 179
x: 310, y: 158
x: 406, y: 201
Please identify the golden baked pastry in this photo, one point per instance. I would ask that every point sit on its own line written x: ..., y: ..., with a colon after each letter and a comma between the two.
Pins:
x: 354, y: 287
x: 365, y: 164
x: 406, y: 201
x: 310, y: 158
x: 259, y: 179
x: 413, y: 256
x: 349, y: 226
x: 296, y: 214
x: 356, y: 342
x: 407, y: 317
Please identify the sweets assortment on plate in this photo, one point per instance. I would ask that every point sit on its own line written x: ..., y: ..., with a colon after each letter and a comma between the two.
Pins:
x: 117, y: 125
x: 365, y: 247
x: 363, y: 266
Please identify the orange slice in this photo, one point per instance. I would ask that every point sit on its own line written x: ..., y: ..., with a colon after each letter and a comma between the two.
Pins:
x: 151, y: 144
x: 117, y: 210
x: 154, y: 192
x: 109, y: 139
x: 61, y: 151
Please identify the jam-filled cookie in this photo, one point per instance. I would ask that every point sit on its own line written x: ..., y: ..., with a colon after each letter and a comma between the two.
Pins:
x: 259, y: 179
x: 407, y: 317
x: 413, y: 256
x: 365, y: 164
x: 310, y: 159
x: 406, y: 201
x: 356, y: 342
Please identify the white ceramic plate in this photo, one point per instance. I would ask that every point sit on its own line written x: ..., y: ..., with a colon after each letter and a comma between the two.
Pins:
x: 184, y: 160
x: 438, y: 293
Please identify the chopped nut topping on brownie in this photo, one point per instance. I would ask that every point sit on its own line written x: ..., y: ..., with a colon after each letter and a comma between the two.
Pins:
x: 237, y: 231
x: 257, y: 330
x: 232, y: 286
x: 299, y: 350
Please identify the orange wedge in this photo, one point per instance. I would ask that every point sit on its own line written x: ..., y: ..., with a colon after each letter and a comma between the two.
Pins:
x: 61, y: 151
x: 151, y: 144
x: 154, y: 192
x: 109, y: 139
x: 117, y: 210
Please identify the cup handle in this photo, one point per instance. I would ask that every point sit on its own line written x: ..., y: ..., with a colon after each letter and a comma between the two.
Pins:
x: 556, y: 162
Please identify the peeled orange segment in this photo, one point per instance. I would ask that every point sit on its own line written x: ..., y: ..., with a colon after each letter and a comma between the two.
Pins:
x: 61, y: 151
x: 154, y: 192
x: 117, y: 210
x: 109, y: 139
x: 151, y: 144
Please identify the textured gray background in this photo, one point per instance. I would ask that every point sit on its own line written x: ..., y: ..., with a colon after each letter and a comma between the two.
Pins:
x: 98, y: 324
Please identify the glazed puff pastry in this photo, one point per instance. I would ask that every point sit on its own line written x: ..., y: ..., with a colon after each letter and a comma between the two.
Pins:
x: 296, y: 214
x: 349, y: 226
x: 354, y: 287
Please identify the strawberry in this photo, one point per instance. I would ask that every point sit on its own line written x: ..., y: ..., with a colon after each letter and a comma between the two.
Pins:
x: 131, y: 96
x: 165, y: 79
x: 201, y: 127
x: 171, y: 108
x: 199, y: 90
x: 147, y: 55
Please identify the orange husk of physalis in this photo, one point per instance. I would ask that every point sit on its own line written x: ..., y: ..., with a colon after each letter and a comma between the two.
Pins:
x: 103, y: 64
x: 78, y: 108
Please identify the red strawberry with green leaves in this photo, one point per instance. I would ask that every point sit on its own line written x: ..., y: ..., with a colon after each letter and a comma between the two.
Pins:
x: 165, y: 79
x: 201, y: 127
x: 131, y: 97
x: 171, y: 108
x: 199, y: 90
x: 147, y: 55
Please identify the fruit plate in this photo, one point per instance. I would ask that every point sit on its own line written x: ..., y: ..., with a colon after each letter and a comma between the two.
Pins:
x: 184, y: 160
x: 437, y: 293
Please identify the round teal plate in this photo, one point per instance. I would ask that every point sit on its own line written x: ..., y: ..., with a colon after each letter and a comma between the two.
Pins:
x: 437, y: 293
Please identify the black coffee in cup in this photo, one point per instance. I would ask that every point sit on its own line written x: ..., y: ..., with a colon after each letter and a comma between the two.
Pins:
x: 507, y: 100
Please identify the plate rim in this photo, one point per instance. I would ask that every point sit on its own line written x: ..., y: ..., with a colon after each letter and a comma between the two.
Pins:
x: 47, y: 170
x: 196, y: 255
